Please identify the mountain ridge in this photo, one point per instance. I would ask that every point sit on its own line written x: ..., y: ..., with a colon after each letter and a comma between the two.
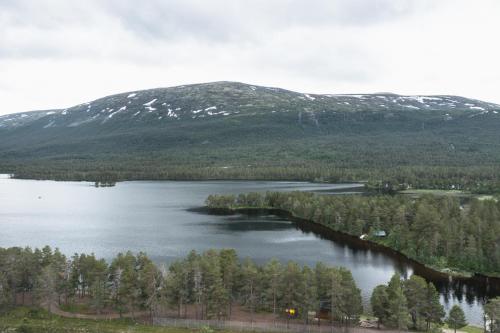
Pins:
x: 233, y: 130
x: 448, y: 99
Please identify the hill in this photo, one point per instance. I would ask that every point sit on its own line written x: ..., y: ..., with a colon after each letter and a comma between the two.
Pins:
x: 229, y: 130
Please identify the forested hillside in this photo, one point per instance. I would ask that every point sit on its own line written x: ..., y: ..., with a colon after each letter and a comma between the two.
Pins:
x: 436, y: 231
x: 227, y: 130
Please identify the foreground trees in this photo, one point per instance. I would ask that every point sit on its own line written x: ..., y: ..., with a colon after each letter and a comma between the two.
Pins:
x: 456, y: 318
x: 437, y: 231
x: 492, y: 314
x: 401, y: 303
x: 210, y: 282
x: 48, y: 277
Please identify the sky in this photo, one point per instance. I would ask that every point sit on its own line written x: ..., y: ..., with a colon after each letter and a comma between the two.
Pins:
x: 59, y: 53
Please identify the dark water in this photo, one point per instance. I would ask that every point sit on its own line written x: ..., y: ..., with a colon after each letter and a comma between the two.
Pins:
x: 155, y: 217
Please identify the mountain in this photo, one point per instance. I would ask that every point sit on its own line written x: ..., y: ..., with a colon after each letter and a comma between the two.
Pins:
x: 236, y: 130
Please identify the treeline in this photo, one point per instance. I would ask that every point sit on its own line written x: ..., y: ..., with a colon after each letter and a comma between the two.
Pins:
x: 414, y: 304
x: 411, y: 303
x: 437, y: 231
x: 444, y: 179
x: 477, y: 179
x: 212, y: 282
x: 128, y: 283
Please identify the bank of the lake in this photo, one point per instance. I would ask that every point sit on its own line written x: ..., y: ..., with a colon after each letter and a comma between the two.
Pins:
x: 158, y: 217
x: 372, y: 242
x: 436, y: 231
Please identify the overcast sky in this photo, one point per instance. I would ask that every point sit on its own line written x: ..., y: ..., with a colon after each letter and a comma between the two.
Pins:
x: 58, y: 53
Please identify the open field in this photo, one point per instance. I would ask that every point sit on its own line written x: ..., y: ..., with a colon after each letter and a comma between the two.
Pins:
x: 27, y: 320
x: 455, y: 193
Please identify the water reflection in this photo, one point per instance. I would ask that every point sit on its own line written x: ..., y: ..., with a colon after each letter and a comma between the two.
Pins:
x: 158, y: 218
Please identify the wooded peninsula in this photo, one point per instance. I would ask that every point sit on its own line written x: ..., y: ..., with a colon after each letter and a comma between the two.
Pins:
x: 437, y: 231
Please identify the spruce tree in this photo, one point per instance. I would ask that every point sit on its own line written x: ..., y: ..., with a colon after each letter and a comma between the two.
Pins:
x: 415, y: 289
x: 456, y: 318
x: 380, y: 304
x: 398, y: 310
x: 492, y: 311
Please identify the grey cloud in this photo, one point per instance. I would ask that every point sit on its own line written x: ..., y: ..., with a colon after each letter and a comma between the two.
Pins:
x: 159, y: 21
x: 230, y: 20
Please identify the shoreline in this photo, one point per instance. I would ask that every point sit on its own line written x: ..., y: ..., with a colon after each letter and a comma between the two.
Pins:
x: 325, y: 231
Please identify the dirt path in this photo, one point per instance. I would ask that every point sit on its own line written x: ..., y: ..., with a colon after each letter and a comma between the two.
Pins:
x: 55, y: 309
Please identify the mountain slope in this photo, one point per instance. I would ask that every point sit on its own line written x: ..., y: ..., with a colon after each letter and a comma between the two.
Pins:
x: 235, y: 130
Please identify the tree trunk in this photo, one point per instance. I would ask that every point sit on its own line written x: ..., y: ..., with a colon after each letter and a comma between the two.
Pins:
x: 274, y: 301
x: 251, y: 303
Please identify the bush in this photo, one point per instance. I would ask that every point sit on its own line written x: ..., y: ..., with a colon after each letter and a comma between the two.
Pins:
x: 206, y: 329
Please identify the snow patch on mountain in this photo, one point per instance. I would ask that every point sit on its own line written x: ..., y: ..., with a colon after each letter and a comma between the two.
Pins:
x: 123, y: 108
x: 50, y: 124
x: 150, y: 102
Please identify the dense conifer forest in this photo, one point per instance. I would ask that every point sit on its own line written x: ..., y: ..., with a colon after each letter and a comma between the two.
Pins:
x: 213, y: 282
x: 230, y: 130
x: 437, y: 231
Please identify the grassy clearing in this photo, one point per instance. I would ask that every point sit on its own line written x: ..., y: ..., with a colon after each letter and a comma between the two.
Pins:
x: 76, y: 308
x: 456, y: 193
x: 30, y: 320
x: 467, y: 329
x: 472, y: 329
x: 487, y: 197
x: 452, y: 193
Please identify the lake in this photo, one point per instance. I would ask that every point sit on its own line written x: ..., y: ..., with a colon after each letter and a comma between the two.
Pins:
x: 158, y: 218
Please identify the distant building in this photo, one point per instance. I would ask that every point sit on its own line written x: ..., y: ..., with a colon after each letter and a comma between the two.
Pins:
x: 380, y: 233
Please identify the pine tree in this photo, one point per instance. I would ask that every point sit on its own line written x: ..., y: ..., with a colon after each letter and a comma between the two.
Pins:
x: 309, y: 301
x: 230, y: 268
x: 380, y: 304
x: 176, y: 287
x: 45, y: 290
x: 398, y: 310
x: 215, y: 295
x: 415, y: 289
x: 492, y: 312
x: 272, y: 277
x: 350, y: 302
x: 291, y: 291
x: 456, y: 318
x: 433, y: 311
x: 250, y: 287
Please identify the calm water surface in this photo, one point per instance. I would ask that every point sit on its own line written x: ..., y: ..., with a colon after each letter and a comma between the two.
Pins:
x: 155, y: 217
